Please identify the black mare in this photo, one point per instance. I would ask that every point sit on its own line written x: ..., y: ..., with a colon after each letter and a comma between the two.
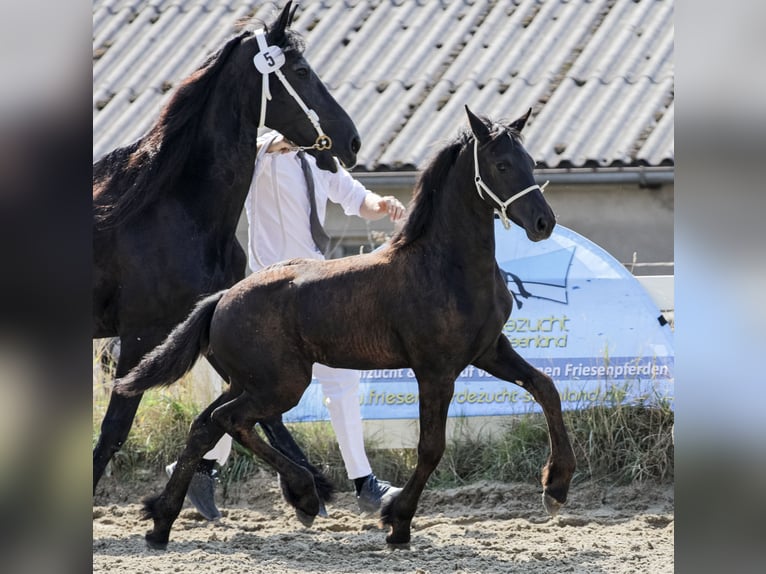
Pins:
x: 433, y: 300
x: 166, y: 207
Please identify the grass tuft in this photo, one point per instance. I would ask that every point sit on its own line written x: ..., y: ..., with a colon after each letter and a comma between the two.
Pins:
x: 613, y: 442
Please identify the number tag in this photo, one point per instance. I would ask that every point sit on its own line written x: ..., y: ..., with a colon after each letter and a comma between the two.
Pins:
x: 269, y: 60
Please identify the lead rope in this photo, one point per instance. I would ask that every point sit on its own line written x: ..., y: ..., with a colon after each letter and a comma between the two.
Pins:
x: 268, y: 60
x: 502, y: 205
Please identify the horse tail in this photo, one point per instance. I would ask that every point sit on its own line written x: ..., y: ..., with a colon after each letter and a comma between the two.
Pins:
x: 177, y: 354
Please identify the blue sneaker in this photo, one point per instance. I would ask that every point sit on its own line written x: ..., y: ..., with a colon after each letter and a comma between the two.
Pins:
x: 201, y: 491
x: 374, y: 493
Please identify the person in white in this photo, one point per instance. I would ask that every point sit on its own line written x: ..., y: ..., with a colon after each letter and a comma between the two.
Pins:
x: 278, y: 211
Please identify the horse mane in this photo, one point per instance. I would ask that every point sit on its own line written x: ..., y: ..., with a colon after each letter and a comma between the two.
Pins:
x: 426, y: 195
x: 131, y: 177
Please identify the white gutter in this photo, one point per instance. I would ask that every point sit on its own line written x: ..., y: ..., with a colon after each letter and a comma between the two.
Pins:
x: 640, y: 176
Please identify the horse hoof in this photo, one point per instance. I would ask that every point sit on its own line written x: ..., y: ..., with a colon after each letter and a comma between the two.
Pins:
x: 306, y: 519
x: 154, y: 543
x: 398, y: 542
x: 552, y: 506
x: 399, y: 539
x: 322, y: 510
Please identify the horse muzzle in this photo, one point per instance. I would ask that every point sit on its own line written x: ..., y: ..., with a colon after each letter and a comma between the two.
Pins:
x: 537, y: 227
x: 346, y: 155
x: 543, y: 227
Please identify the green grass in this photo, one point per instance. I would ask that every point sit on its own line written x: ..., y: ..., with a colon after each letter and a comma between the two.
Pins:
x: 613, y: 442
x: 159, y: 429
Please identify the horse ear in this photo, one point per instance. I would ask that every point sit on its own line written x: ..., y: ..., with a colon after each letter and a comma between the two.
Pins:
x: 519, y: 124
x: 478, y: 127
x: 292, y: 15
x: 282, y: 23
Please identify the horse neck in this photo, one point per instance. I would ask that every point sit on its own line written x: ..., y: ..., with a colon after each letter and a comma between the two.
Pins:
x: 463, y: 222
x: 225, y: 150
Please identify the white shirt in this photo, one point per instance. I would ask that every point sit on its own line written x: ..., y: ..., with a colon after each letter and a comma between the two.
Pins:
x: 278, y: 208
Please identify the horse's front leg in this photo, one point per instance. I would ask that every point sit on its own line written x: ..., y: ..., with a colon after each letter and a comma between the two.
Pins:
x: 435, y: 396
x: 114, y: 432
x: 121, y: 411
x: 503, y: 362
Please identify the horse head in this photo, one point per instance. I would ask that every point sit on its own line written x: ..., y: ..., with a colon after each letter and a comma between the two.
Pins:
x: 288, y: 96
x: 504, y: 179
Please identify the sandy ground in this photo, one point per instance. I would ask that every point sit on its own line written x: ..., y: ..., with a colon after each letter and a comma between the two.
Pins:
x: 480, y: 528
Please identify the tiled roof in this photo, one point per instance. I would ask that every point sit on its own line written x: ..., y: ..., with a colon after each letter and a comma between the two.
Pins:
x: 597, y: 74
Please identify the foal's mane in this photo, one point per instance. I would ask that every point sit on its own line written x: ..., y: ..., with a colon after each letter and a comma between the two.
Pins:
x: 129, y: 178
x: 427, y: 192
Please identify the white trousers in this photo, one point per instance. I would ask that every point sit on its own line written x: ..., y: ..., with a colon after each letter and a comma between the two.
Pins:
x: 340, y: 388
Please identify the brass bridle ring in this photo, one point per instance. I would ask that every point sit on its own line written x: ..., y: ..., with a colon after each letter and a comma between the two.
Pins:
x: 322, y: 143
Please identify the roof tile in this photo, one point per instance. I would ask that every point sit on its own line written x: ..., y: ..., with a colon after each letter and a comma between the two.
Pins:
x: 598, y: 74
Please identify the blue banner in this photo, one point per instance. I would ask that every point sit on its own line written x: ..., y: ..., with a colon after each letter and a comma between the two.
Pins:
x: 579, y: 316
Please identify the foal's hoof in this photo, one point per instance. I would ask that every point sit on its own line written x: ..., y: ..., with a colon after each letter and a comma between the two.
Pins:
x: 306, y: 519
x: 552, y: 506
x: 397, y: 545
x: 156, y: 543
x: 399, y: 539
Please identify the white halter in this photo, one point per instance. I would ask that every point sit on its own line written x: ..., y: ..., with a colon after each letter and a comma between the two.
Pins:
x: 502, y: 205
x: 268, y: 60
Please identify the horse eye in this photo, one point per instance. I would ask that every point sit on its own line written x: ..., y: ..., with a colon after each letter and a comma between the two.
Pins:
x: 502, y: 166
x: 302, y: 72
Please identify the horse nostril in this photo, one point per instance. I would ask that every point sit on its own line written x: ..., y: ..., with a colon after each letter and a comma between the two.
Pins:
x: 356, y: 144
x: 542, y: 224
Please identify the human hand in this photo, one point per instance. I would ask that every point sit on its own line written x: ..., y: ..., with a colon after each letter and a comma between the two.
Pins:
x: 391, y: 206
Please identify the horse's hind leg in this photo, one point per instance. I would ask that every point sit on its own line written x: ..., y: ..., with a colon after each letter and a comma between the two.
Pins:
x: 238, y: 419
x: 165, y: 507
x: 503, y: 362
x: 281, y: 439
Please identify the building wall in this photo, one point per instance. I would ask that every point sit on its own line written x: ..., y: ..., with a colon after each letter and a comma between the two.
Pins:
x: 622, y: 219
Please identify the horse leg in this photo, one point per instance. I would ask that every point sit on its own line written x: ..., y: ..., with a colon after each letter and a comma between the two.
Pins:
x: 281, y: 439
x: 121, y: 410
x: 114, y: 432
x: 435, y: 396
x: 165, y: 507
x: 503, y: 362
x: 238, y: 419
